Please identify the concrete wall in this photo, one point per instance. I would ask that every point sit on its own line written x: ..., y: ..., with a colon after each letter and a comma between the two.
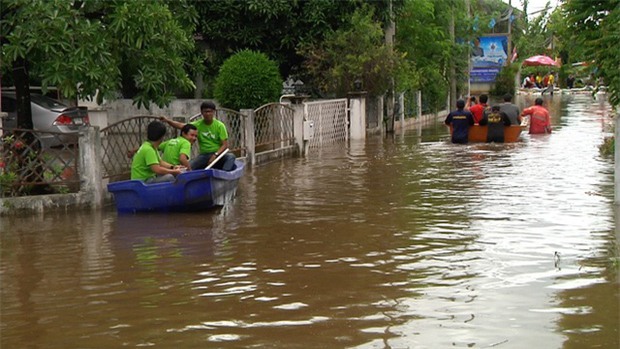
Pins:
x: 422, y: 120
x: 121, y: 109
x: 480, y: 88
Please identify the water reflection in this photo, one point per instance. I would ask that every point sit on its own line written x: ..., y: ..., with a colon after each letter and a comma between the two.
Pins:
x: 405, y: 241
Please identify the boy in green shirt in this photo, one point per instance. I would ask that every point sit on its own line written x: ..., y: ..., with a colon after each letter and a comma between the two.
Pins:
x: 177, y: 151
x: 212, y: 138
x: 146, y: 164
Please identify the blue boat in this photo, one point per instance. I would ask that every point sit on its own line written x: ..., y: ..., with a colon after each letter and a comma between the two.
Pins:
x: 192, y: 191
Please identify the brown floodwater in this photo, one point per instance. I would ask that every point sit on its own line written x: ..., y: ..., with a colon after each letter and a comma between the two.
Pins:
x: 399, y: 242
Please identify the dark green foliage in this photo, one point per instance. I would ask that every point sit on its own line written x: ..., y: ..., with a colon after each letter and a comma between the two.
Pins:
x: 594, y: 30
x: 248, y: 79
x: 505, y: 81
x: 354, y: 52
x: 435, y: 92
x: 423, y: 34
x: 275, y: 27
x: 145, y: 47
x: 608, y: 147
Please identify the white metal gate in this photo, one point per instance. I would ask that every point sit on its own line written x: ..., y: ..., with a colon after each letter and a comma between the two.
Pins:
x: 330, y: 121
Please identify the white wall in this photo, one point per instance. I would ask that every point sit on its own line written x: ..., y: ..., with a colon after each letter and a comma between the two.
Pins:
x: 114, y: 111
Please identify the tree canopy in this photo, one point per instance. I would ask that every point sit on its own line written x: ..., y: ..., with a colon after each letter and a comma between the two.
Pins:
x: 275, y: 27
x: 593, y: 27
x: 81, y: 47
x: 146, y: 50
x: 356, y: 52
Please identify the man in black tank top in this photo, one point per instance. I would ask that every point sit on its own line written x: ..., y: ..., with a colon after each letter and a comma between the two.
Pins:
x: 496, y: 122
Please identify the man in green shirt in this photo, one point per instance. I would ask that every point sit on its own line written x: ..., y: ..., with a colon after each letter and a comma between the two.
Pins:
x: 212, y: 139
x: 146, y: 165
x: 177, y: 151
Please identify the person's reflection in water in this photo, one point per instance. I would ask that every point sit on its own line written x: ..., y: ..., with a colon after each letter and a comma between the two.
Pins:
x: 28, y: 281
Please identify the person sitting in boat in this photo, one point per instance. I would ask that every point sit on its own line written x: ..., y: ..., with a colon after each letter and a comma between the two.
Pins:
x: 539, y: 80
x: 460, y: 120
x: 212, y: 139
x: 478, y: 110
x: 540, y: 121
x: 177, y: 151
x: 528, y: 81
x: 511, y: 110
x: 496, y: 120
x: 146, y: 165
x: 570, y: 81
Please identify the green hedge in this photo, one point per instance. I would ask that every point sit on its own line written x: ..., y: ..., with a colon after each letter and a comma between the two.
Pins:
x: 247, y: 80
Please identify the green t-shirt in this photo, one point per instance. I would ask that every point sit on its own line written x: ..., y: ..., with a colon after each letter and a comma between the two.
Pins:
x: 146, y: 156
x: 173, y: 148
x: 210, y: 137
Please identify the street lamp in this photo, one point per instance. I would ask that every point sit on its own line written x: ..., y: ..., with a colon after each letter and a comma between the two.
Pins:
x: 357, y: 84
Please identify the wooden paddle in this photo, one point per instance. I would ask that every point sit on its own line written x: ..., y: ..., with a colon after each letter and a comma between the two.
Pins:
x: 217, y: 159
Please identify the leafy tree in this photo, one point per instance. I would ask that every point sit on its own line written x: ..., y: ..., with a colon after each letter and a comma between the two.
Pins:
x: 593, y: 27
x: 85, y: 47
x: 277, y: 28
x: 537, y: 38
x: 505, y: 81
x: 353, y: 53
x: 423, y: 34
x: 248, y: 79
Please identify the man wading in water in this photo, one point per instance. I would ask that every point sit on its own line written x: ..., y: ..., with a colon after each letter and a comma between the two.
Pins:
x: 460, y: 120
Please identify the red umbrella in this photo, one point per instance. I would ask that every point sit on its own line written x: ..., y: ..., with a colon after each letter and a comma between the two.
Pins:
x: 539, y: 60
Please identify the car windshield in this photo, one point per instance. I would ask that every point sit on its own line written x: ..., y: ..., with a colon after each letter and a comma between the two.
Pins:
x: 46, y: 102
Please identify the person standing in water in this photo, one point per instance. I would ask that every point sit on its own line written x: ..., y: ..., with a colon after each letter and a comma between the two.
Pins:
x: 540, y: 121
x: 495, y: 121
x: 460, y: 120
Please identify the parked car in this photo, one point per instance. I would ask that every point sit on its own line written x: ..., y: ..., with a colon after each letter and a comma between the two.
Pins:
x: 48, y: 115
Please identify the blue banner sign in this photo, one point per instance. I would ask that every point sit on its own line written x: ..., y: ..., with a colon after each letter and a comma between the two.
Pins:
x: 483, y: 74
x: 488, y: 56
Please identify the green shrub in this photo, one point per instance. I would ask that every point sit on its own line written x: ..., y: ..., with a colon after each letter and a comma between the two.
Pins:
x: 608, y: 147
x: 505, y: 81
x: 247, y: 80
x: 434, y: 91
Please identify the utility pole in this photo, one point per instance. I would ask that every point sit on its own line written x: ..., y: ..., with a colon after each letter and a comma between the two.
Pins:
x: 452, y: 102
x: 390, y: 30
x: 509, y: 32
x: 468, y: 53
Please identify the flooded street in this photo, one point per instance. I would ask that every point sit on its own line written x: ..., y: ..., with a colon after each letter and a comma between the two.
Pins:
x: 399, y: 242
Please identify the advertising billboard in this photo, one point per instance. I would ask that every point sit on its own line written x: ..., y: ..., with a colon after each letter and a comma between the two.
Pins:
x: 488, y: 55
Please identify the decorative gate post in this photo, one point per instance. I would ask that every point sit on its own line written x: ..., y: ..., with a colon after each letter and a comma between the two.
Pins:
x: 91, y: 174
x: 250, y: 142
x: 297, y: 103
x: 357, y: 115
